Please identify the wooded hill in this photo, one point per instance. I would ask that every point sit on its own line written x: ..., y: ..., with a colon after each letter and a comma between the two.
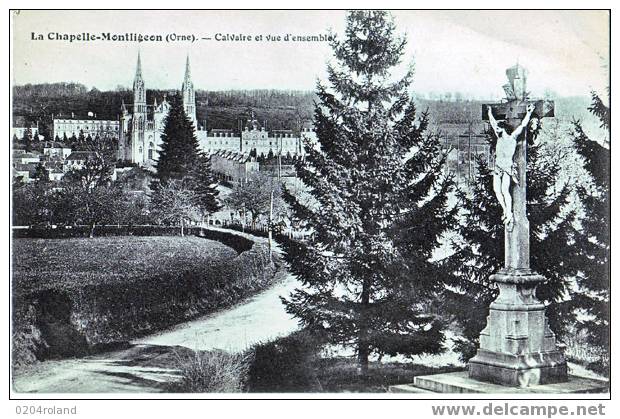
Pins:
x: 280, y: 109
x: 40, y: 103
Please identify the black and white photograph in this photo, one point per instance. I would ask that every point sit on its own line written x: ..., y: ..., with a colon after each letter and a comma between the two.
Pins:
x: 310, y: 203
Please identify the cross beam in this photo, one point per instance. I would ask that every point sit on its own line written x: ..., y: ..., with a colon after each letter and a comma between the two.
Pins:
x: 516, y: 109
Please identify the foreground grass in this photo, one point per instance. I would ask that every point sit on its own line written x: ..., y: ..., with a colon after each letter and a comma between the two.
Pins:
x: 45, y: 263
x: 338, y: 375
x: 222, y: 372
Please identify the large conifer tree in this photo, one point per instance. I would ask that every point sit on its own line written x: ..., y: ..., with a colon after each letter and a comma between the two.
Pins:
x: 379, y: 203
x: 593, y: 261
x: 179, y: 151
x: 479, y: 246
x: 180, y: 159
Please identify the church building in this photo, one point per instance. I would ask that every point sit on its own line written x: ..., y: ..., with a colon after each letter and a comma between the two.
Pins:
x: 141, y: 125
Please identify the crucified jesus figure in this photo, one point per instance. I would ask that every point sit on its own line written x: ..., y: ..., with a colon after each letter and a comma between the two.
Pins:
x: 505, y: 168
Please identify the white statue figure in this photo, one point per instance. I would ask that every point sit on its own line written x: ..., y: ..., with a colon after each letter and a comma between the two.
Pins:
x: 505, y: 168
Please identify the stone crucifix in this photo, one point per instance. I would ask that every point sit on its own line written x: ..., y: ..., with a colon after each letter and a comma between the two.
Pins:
x: 517, y: 347
x: 519, y: 119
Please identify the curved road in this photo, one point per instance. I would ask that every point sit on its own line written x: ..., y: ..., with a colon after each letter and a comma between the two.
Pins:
x: 143, y: 366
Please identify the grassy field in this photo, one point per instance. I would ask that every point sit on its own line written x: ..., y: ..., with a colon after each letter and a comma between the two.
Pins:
x: 45, y: 263
x: 70, y: 296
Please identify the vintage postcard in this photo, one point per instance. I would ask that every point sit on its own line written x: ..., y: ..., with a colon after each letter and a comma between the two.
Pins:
x: 319, y: 203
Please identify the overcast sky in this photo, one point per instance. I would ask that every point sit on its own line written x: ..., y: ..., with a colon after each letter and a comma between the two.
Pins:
x: 467, y: 51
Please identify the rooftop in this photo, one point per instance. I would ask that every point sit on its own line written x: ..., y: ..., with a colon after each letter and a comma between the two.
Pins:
x: 26, y: 155
x: 81, y: 155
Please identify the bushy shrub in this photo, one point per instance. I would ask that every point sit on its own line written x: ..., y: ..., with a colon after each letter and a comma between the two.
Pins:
x: 212, y: 372
x: 285, y: 365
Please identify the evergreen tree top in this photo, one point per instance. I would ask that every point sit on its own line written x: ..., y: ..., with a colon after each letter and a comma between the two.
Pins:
x: 179, y: 150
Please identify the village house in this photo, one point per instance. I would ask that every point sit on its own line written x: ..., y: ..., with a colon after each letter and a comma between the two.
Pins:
x: 56, y: 149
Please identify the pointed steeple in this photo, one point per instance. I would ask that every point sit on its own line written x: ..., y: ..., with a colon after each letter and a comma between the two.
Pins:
x: 139, y: 67
x: 187, y: 89
x: 139, y: 90
x: 188, y: 74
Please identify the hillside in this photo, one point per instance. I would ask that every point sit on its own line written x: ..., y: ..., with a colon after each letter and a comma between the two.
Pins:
x: 40, y: 103
x: 225, y: 109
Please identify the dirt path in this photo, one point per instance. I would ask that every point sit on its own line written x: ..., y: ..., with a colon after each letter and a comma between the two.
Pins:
x: 145, y: 365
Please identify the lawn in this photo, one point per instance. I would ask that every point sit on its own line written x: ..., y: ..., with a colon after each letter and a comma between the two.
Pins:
x: 49, y: 263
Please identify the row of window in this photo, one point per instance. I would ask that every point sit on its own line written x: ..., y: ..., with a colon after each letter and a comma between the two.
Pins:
x: 84, y: 121
x: 85, y: 128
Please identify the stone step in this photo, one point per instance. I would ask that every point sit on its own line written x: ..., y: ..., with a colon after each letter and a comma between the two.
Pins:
x: 459, y: 382
x: 408, y: 388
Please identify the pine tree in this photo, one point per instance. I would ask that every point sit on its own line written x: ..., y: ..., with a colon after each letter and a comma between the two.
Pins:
x: 179, y: 152
x: 180, y: 159
x: 44, y: 130
x: 73, y: 141
x: 41, y: 174
x: 27, y: 139
x: 593, y: 259
x: 81, y: 140
x: 380, y: 204
x: 479, y: 250
x: 204, y: 185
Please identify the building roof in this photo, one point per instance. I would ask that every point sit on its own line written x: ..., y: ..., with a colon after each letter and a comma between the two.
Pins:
x: 81, y: 155
x: 253, y: 124
x: 232, y: 155
x: 26, y: 167
x: 53, y: 165
x: 453, y: 129
x: 27, y: 155
x: 307, y: 125
x: 55, y: 144
x: 86, y: 120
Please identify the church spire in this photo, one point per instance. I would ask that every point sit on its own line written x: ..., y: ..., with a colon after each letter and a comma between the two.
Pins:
x: 187, y: 89
x: 188, y: 74
x: 139, y: 90
x: 139, y: 68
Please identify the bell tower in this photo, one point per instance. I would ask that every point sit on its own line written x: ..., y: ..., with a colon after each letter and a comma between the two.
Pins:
x: 187, y: 90
x: 139, y: 115
x: 139, y: 90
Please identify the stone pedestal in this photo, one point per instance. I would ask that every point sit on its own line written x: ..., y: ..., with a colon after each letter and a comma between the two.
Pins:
x: 517, y: 347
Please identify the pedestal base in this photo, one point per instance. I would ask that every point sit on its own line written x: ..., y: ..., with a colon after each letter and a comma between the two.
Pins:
x: 517, y: 347
x: 459, y: 382
x: 518, y: 370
